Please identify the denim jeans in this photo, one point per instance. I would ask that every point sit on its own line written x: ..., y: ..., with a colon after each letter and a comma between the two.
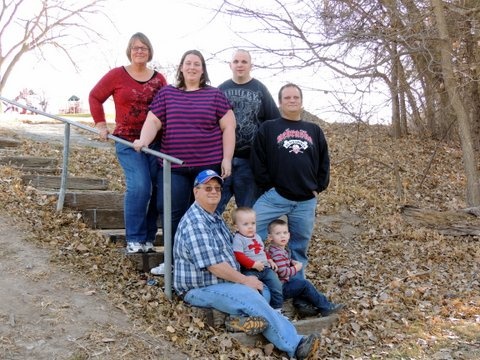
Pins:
x: 301, y: 219
x: 140, y: 213
x: 182, y: 190
x: 302, y: 289
x: 240, y: 184
x: 271, y: 280
x: 241, y: 300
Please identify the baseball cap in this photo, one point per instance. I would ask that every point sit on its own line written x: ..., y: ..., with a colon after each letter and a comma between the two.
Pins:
x: 206, y: 176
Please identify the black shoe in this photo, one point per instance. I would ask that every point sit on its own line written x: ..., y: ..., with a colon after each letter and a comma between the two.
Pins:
x: 308, y: 346
x: 306, y: 309
x: 333, y: 310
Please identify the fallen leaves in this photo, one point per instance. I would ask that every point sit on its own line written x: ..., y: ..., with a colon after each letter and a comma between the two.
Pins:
x: 410, y: 292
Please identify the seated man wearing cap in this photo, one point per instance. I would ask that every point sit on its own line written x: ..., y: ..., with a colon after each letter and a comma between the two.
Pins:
x: 207, y: 275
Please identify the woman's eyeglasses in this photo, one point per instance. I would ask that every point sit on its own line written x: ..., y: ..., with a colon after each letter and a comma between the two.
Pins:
x: 140, y: 48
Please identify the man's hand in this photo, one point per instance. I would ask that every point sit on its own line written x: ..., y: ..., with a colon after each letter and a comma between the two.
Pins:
x: 253, y: 282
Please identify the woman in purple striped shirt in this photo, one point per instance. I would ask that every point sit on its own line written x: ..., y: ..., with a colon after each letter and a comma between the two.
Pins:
x: 198, y: 127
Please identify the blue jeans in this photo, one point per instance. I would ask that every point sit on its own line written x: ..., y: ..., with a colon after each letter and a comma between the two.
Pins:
x: 182, y: 190
x: 140, y: 214
x: 240, y: 184
x: 271, y: 280
x: 301, y: 219
x: 241, y: 300
x: 302, y: 289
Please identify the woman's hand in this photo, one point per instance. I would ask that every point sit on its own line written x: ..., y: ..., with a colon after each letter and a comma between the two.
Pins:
x: 226, y: 168
x: 102, y: 131
x: 138, y: 145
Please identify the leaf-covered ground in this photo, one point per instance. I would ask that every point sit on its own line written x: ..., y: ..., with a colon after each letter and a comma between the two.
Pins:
x: 411, y: 293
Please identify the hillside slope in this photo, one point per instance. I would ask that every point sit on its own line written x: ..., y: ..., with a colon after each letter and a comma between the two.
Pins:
x: 411, y: 292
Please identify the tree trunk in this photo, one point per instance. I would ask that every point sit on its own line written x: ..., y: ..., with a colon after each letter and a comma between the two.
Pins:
x: 470, y: 164
x: 396, y: 127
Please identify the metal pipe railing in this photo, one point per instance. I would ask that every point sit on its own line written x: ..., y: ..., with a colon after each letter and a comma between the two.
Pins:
x: 167, y: 185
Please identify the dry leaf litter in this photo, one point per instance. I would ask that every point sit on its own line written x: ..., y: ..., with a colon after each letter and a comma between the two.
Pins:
x: 410, y: 292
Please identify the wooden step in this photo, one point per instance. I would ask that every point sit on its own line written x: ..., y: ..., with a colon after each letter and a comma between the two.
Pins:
x: 28, y: 161
x: 75, y: 183
x: 9, y: 142
x: 146, y: 261
x: 117, y: 236
x: 91, y: 199
x: 38, y: 170
x: 306, y: 326
x: 104, y: 218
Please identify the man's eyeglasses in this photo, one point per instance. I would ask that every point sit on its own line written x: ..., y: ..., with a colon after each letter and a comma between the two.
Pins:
x: 209, y: 188
x: 140, y: 48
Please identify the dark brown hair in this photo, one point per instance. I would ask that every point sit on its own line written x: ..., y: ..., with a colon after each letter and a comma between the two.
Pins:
x: 204, y: 79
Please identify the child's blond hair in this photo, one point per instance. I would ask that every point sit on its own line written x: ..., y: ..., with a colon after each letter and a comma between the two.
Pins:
x: 241, y: 209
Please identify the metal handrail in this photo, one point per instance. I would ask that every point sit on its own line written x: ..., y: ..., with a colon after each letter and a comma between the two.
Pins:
x: 167, y: 198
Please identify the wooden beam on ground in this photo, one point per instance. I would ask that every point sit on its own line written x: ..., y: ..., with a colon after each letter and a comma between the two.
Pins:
x: 306, y: 326
x: 92, y: 199
x: 104, y: 218
x: 9, y: 142
x: 117, y: 236
x: 75, y: 183
x: 28, y: 161
x: 38, y: 170
x: 451, y: 222
x: 146, y: 261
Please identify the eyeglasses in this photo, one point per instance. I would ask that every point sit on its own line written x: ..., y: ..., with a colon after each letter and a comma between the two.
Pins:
x: 140, y: 48
x: 209, y: 188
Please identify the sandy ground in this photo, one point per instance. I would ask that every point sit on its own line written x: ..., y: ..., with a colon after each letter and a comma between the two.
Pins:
x: 46, y: 313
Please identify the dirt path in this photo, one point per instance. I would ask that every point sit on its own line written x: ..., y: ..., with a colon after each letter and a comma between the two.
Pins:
x: 46, y: 313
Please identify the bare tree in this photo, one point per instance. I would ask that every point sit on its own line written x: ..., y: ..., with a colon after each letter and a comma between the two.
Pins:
x: 470, y: 164
x: 61, y: 25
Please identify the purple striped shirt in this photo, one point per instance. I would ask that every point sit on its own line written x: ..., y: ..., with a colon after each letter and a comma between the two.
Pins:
x: 190, y: 124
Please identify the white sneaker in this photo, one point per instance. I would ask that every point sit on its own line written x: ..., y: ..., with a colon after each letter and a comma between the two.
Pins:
x: 148, y: 247
x: 134, y: 247
x: 159, y: 270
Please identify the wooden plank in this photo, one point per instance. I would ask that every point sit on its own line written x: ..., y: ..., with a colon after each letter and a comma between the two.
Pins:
x: 104, y: 218
x: 117, y: 236
x: 9, y: 142
x: 38, y: 170
x: 91, y: 199
x: 216, y: 319
x: 75, y: 183
x: 146, y: 261
x: 28, y: 161
x: 304, y: 327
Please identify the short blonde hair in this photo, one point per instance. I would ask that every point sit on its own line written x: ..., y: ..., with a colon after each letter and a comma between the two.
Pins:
x: 241, y: 209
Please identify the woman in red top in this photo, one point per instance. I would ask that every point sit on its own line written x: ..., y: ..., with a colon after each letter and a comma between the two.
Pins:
x: 133, y: 88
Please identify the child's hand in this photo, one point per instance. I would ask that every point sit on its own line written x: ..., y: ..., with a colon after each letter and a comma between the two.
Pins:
x: 273, y: 264
x: 258, y: 265
x: 298, y: 265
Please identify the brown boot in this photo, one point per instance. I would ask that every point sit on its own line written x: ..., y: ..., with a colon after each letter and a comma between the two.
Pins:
x: 250, y: 325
